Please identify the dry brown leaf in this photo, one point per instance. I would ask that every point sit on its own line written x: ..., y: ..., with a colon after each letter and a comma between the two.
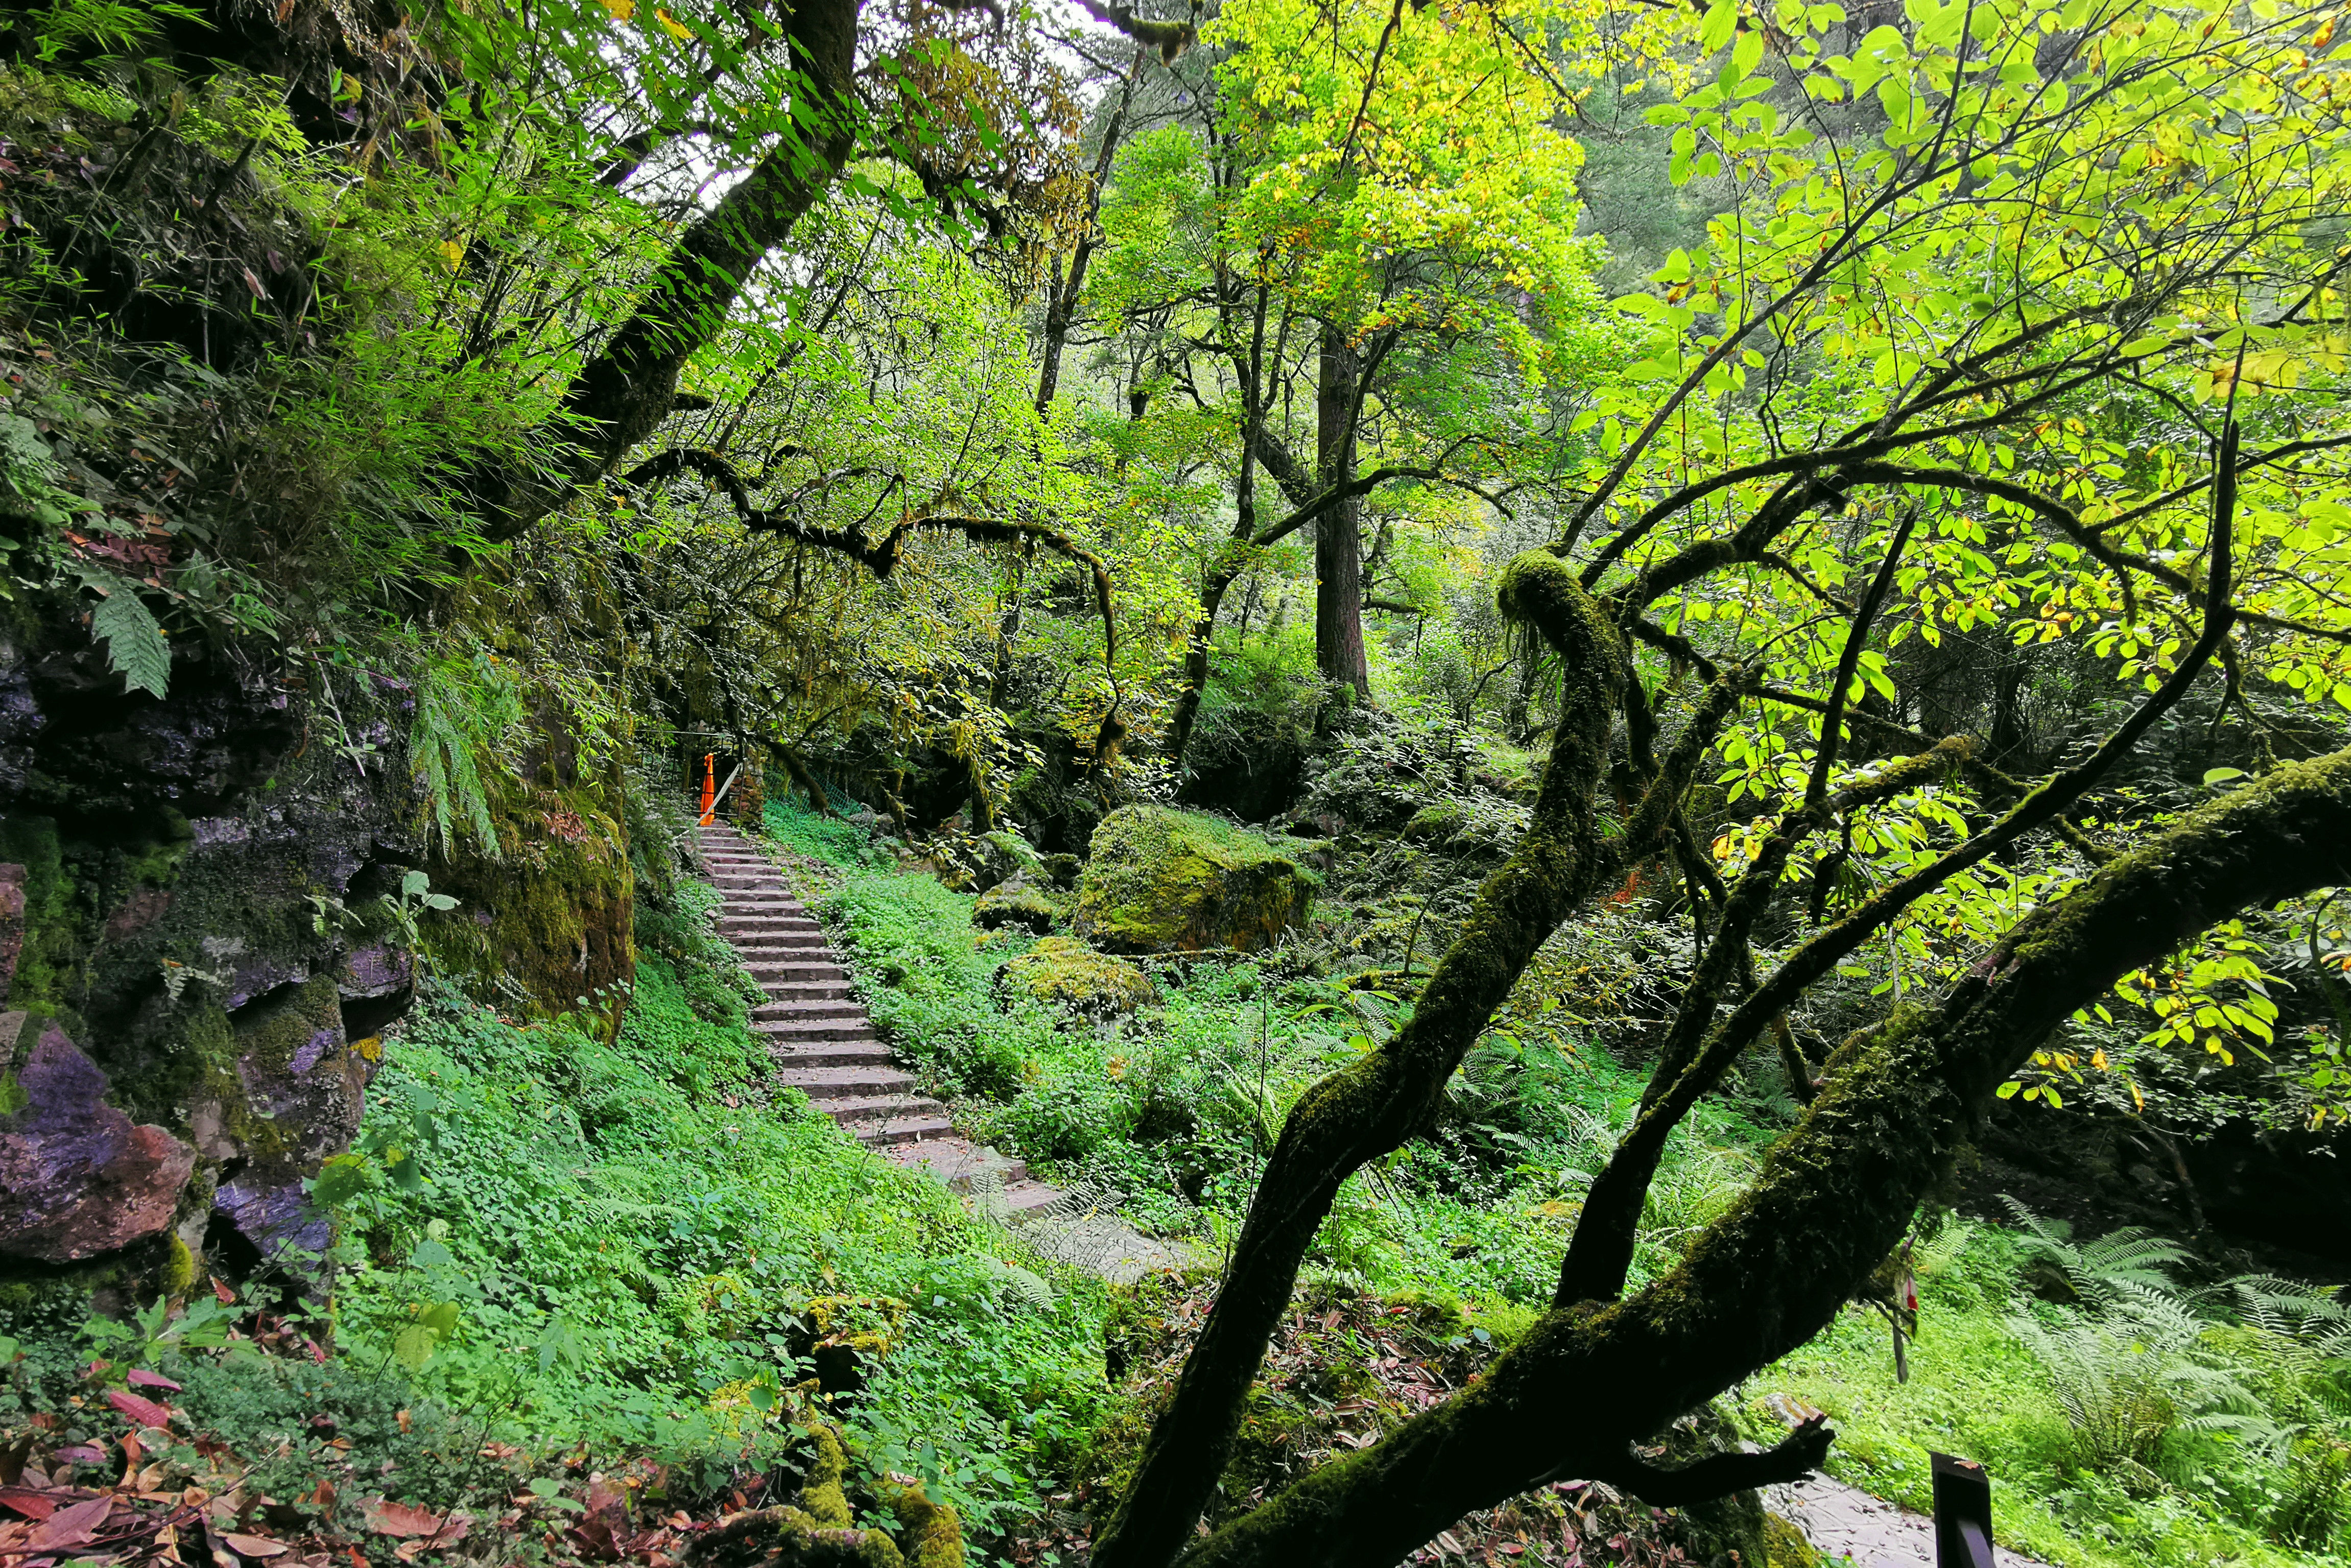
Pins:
x: 385, y: 1517
x: 70, y: 1527
x: 254, y: 1545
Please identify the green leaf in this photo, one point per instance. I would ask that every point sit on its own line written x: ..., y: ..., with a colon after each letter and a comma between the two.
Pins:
x: 414, y: 1346
x: 430, y: 1253
x: 338, y: 1181
x: 1721, y: 22
x: 1749, y: 52
x: 134, y: 642
x: 2223, y: 775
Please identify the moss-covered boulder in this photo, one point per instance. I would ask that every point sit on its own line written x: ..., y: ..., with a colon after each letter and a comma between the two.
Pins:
x: 1162, y: 881
x: 1016, y: 904
x: 1072, y: 975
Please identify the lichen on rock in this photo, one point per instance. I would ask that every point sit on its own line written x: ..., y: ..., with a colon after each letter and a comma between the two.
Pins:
x: 1068, y: 973
x: 1162, y: 881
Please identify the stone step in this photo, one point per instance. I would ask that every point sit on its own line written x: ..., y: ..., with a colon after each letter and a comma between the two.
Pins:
x: 792, y: 1031
x: 781, y: 949
x: 810, y: 937
x: 885, y: 1107
x: 962, y: 1164
x: 1028, y: 1197
x: 837, y: 1082
x: 794, y: 969
x: 789, y: 995
x: 751, y: 919
x: 811, y: 1011
x: 911, y: 1130
x: 832, y: 1054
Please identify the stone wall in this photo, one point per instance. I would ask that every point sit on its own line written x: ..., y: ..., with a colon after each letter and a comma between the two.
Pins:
x: 192, y: 971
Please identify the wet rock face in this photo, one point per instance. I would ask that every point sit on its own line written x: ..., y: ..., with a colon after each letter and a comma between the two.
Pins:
x: 81, y: 1179
x: 191, y: 908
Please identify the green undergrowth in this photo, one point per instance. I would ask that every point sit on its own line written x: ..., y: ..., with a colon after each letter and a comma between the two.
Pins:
x: 2211, y: 1490
x: 1172, y: 1109
x: 633, y: 1247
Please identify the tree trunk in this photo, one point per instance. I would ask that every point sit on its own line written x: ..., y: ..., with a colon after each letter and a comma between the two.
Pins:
x: 1338, y: 532
x: 1832, y: 1200
x: 619, y: 397
x: 1367, y: 1109
x: 1061, y: 302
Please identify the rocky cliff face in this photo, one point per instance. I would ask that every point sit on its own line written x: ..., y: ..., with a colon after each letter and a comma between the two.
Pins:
x: 192, y: 953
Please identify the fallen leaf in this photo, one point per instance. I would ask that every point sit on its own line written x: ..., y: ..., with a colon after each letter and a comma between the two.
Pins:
x: 145, y: 1412
x: 30, y: 1503
x: 80, y: 1454
x: 70, y: 1527
x: 385, y: 1517
x: 153, y: 1380
x: 253, y: 1545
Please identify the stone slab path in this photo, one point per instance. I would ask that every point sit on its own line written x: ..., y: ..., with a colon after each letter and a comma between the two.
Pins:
x: 824, y: 1045
x: 1849, y: 1526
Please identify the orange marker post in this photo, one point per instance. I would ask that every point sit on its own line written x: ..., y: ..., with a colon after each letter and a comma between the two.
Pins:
x: 709, y: 785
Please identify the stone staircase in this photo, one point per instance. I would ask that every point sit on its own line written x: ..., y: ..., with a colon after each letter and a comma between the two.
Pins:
x: 824, y: 1045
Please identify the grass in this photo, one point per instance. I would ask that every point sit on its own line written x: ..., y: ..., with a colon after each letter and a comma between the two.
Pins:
x: 1173, y: 1110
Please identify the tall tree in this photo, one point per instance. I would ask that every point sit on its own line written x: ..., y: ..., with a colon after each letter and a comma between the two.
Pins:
x: 1339, y: 531
x: 1366, y: 217
x: 1957, y: 349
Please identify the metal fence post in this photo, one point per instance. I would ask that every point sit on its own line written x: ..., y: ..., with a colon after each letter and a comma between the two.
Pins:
x: 1962, y: 1513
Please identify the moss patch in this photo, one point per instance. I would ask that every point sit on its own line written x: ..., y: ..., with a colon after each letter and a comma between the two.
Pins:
x: 1015, y: 904
x: 550, y: 921
x: 1162, y: 881
x: 1072, y: 975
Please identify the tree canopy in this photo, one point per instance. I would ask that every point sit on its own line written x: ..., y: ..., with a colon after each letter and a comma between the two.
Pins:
x: 998, y: 413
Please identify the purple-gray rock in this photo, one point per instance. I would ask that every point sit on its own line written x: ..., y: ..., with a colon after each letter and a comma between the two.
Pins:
x: 76, y: 1177
x: 12, y: 924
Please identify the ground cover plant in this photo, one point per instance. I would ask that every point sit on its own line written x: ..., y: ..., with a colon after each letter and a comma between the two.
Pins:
x: 689, y: 1242
x: 1760, y: 585
x: 1171, y: 1113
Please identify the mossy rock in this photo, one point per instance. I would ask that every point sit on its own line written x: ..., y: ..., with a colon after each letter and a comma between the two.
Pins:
x: 1162, y: 881
x: 1786, y: 1546
x: 1072, y: 974
x: 1015, y: 903
x: 819, y: 1528
x: 552, y: 918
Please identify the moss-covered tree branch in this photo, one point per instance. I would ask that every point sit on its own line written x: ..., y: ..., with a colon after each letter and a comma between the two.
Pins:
x: 1832, y: 1199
